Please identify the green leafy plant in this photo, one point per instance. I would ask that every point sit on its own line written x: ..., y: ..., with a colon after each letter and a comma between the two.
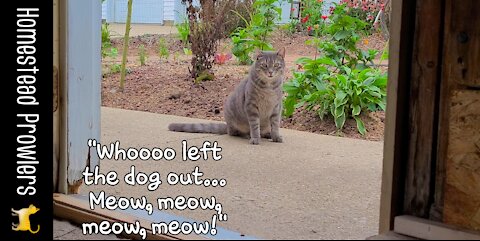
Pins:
x: 187, y: 51
x: 254, y: 35
x: 183, y: 34
x: 340, y: 82
x: 163, y: 49
x: 106, y: 44
x: 115, y: 68
x: 142, y: 54
x: 244, y: 45
x: 313, y: 77
x: 108, y: 51
x: 353, y: 92
x: 342, y: 96
x: 265, y: 15
x: 105, y: 33
x: 112, y: 53
x: 343, y: 34
x: 183, y: 31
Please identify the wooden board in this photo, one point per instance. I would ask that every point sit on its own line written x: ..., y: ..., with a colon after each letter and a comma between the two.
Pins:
x: 430, y: 230
x: 394, y: 154
x: 462, y: 38
x: 78, y: 211
x: 459, y: 122
x: 424, y: 82
x: 462, y: 189
x: 390, y: 235
x: 80, y: 82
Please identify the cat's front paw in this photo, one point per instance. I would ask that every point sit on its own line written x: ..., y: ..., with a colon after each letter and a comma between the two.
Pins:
x: 254, y: 141
x: 277, y: 138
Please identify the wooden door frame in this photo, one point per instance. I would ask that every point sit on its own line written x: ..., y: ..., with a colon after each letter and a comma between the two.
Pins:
x: 400, y: 46
x: 79, y: 90
x: 415, y: 132
x: 412, y: 103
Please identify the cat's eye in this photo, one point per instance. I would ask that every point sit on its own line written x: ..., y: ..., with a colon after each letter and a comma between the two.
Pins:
x: 276, y: 65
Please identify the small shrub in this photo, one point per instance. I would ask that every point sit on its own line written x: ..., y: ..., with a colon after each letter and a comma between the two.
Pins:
x: 254, y: 35
x: 343, y: 34
x: 207, y: 27
x: 163, y: 49
x: 142, y: 54
x: 341, y: 95
x: 340, y: 82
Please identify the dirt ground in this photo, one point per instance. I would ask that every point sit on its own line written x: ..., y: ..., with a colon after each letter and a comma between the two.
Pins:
x: 163, y: 85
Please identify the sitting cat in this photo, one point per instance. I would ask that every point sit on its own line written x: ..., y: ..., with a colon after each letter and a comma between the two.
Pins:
x: 254, y: 108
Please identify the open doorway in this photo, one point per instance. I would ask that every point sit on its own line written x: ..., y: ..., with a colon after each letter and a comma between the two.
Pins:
x: 309, y: 186
x: 323, y: 181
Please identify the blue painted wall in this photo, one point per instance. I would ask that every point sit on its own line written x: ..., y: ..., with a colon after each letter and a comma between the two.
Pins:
x: 156, y: 11
x: 104, y: 10
x: 180, y: 10
x: 143, y: 11
x: 286, y: 7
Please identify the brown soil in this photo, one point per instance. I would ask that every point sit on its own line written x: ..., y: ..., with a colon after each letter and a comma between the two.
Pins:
x: 163, y: 85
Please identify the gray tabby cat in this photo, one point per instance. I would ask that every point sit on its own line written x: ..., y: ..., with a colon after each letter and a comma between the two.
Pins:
x: 254, y: 108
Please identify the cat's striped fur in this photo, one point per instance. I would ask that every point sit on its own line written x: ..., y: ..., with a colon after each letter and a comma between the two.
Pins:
x: 254, y: 108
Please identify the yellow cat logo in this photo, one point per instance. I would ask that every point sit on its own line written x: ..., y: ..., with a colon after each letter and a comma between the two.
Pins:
x: 24, y: 219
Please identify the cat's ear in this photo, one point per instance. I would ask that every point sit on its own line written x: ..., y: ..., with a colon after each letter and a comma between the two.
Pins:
x: 258, y: 53
x: 281, y: 52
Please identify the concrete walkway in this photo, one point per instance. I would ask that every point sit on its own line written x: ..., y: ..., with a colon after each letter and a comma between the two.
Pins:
x: 118, y: 29
x: 309, y: 187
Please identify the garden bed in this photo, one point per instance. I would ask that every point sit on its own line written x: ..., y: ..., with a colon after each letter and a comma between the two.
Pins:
x: 163, y: 85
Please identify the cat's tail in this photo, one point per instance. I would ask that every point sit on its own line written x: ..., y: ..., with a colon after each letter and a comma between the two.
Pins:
x: 214, y: 128
x: 36, y: 231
